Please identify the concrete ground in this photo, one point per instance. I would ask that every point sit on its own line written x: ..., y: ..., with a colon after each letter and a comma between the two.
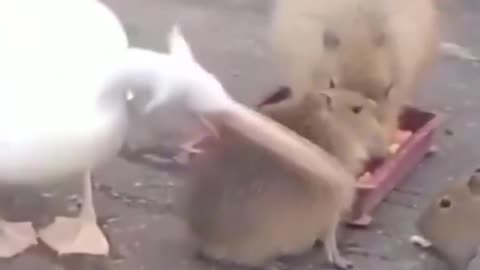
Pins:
x: 135, y: 202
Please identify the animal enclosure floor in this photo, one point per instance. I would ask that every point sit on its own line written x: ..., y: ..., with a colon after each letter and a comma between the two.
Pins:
x: 135, y: 202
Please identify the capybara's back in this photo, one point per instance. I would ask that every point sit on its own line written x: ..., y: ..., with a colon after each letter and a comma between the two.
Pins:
x: 246, y: 207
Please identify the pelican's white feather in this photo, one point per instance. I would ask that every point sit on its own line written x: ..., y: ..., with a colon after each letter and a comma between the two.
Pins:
x: 50, y: 121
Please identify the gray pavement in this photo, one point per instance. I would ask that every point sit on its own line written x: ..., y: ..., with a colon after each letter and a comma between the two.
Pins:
x: 136, y: 202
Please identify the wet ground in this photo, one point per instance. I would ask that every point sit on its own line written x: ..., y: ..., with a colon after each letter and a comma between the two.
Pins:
x: 136, y: 202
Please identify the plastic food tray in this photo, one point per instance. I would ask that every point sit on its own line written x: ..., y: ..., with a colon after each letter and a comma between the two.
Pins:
x: 391, y: 172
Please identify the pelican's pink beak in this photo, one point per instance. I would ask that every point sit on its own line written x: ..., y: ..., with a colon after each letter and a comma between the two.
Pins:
x: 281, y: 141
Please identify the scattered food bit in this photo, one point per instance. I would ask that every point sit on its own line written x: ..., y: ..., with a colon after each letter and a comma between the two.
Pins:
x: 365, y: 177
x: 402, y: 135
x: 393, y: 148
x: 420, y: 241
x: 110, y: 220
x: 448, y: 132
x: 73, y: 197
x: 47, y: 195
x: 432, y: 151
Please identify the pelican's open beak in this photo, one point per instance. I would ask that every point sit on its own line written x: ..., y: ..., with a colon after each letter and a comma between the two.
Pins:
x: 281, y: 141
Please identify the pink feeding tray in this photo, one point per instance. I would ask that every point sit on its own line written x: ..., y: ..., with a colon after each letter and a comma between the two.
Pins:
x: 391, y: 172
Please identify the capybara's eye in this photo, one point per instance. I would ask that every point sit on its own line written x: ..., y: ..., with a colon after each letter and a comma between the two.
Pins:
x: 445, y: 203
x: 332, y: 84
x: 356, y: 109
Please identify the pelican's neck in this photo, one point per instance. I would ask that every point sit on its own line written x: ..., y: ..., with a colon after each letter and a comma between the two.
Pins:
x: 167, y: 79
x: 136, y: 70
